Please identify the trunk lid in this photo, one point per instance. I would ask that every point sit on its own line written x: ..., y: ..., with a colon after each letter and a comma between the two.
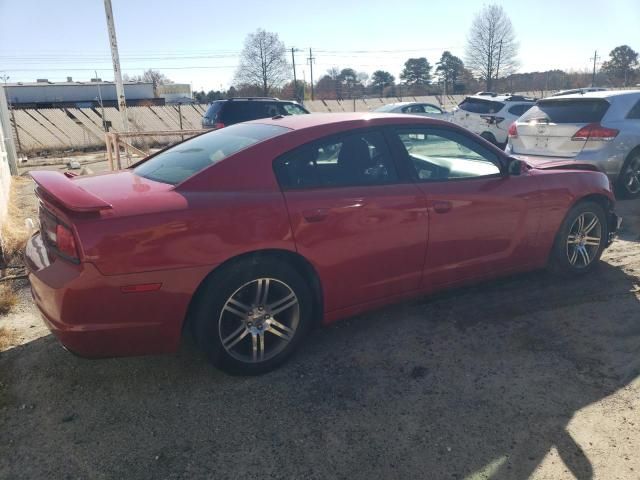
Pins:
x: 547, y: 129
x: 110, y: 194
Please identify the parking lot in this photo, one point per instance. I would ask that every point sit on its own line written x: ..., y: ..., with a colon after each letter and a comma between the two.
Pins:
x: 527, y: 377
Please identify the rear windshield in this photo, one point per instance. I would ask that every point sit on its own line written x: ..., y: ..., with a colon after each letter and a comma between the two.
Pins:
x: 478, y: 105
x: 192, y: 156
x: 213, y: 110
x: 567, y: 111
x: 385, y: 108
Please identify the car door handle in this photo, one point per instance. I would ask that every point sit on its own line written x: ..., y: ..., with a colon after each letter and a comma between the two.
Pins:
x: 442, y: 206
x: 315, y: 214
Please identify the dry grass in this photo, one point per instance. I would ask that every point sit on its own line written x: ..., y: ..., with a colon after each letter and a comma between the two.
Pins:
x: 7, y: 339
x: 14, y: 234
x: 8, y: 298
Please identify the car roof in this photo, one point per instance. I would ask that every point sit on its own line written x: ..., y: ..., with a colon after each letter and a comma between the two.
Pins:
x: 600, y: 94
x: 502, y: 98
x: 299, y: 122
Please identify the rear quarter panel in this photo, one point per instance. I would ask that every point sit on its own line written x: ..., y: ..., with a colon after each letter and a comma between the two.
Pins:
x: 561, y: 190
x: 209, y: 228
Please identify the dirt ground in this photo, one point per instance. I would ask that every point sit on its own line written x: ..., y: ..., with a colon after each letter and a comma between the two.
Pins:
x: 527, y: 377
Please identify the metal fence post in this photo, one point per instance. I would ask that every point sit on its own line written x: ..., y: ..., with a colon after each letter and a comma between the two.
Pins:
x: 5, y: 124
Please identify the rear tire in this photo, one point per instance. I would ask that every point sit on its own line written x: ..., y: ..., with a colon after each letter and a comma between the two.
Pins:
x: 628, y: 183
x: 489, y: 137
x: 580, y: 241
x: 251, y: 316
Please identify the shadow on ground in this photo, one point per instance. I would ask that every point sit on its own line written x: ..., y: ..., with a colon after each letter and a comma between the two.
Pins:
x: 478, y: 380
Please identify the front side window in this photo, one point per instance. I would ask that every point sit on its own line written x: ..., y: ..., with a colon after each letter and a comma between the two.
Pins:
x: 413, y: 109
x: 438, y: 155
x: 192, y: 156
x: 293, y: 109
x: 431, y: 109
x: 352, y: 160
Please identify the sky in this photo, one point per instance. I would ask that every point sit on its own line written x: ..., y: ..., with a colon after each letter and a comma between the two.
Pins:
x: 199, y: 41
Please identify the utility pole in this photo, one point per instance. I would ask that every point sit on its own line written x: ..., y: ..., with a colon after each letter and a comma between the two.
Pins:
x: 117, y: 73
x: 595, y: 59
x: 295, y: 80
x: 311, y: 59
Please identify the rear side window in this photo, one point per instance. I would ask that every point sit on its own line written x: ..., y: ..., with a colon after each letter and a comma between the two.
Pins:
x: 479, y: 105
x: 188, y: 158
x: 518, y: 110
x: 634, y: 113
x: 213, y: 110
x: 567, y: 111
x: 351, y: 160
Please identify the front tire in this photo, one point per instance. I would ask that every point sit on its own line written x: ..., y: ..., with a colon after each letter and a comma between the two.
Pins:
x: 581, y: 240
x: 251, y: 316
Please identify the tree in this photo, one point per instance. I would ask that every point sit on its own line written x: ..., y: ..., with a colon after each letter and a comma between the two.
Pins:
x: 346, y: 80
x: 381, y: 79
x: 449, y: 69
x: 149, y: 76
x: 326, y: 88
x: 417, y: 71
x: 491, y: 46
x: 621, y: 64
x: 263, y: 62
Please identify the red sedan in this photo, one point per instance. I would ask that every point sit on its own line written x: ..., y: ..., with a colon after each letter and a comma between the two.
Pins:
x: 250, y: 235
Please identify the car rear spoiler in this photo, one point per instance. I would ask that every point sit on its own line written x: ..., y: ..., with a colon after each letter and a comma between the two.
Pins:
x: 63, y: 191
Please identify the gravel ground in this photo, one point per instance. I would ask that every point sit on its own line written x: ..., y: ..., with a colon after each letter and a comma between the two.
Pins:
x: 527, y: 377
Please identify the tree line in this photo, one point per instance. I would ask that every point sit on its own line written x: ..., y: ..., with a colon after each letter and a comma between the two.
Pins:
x: 490, y: 64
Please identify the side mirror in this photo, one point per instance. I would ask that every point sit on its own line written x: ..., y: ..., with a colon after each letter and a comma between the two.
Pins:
x: 516, y: 167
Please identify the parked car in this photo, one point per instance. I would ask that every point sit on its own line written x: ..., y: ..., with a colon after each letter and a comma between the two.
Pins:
x: 222, y: 113
x: 490, y: 116
x: 415, y: 108
x: 600, y: 128
x: 578, y: 90
x: 250, y: 235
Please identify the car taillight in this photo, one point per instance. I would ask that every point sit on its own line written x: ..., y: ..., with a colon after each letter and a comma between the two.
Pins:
x: 595, y: 131
x: 218, y: 125
x: 65, y: 242
x: 513, y: 130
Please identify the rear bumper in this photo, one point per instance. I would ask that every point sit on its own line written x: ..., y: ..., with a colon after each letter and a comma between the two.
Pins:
x: 606, y: 161
x: 92, y: 317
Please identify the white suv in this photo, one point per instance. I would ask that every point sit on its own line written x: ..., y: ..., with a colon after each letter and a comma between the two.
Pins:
x: 491, y: 116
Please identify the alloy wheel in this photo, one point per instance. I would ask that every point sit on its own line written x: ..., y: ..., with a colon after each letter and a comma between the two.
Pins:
x: 631, y: 176
x: 259, y: 320
x: 584, y: 239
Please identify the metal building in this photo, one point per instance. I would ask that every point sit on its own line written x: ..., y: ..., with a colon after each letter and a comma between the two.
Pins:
x: 46, y: 94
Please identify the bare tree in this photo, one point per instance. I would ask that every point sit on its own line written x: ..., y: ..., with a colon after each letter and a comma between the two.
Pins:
x: 491, y: 46
x: 150, y: 76
x: 263, y: 62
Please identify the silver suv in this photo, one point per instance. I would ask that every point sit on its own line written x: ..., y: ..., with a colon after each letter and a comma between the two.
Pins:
x: 601, y: 128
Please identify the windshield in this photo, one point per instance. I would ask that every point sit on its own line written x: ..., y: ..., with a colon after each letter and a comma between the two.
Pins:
x: 567, y: 111
x: 188, y: 158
